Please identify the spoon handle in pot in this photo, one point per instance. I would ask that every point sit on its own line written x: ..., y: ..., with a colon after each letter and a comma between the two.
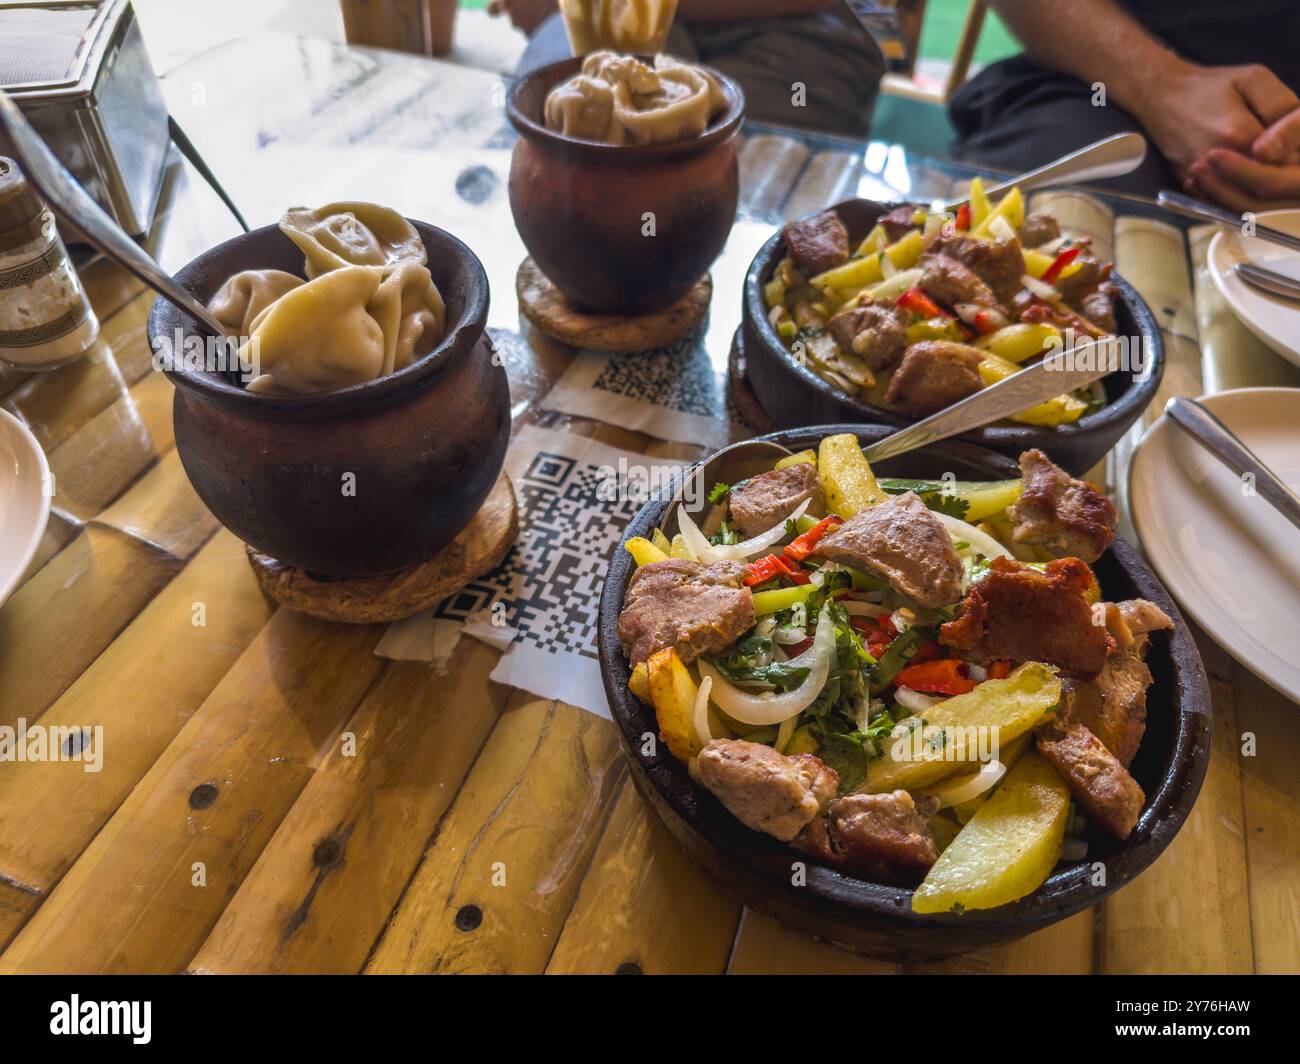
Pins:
x: 1109, y: 157
x: 1054, y: 375
x: 73, y: 204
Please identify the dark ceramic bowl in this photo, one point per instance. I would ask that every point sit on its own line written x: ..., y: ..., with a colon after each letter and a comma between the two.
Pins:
x: 793, y: 395
x: 424, y: 445
x: 581, y: 207
x: 873, y: 918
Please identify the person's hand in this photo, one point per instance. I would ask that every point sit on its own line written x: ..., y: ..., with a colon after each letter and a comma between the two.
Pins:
x: 525, y: 15
x: 1241, y: 183
x: 1198, y: 109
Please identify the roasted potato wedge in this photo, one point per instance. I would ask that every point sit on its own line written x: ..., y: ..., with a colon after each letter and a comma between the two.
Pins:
x: 1009, y: 847
x: 847, y: 479
x: 1012, y: 705
x: 672, y: 693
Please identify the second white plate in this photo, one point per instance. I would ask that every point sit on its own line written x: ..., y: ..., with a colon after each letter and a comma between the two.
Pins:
x: 1273, y: 319
x: 1229, y: 558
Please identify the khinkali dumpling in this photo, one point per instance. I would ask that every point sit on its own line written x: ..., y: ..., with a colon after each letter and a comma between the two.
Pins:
x: 352, y: 234
x: 409, y: 308
x: 245, y: 295
x: 344, y: 327
x: 318, y: 337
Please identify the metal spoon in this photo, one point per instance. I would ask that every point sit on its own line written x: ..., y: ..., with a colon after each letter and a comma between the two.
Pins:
x: 72, y: 203
x: 1110, y: 157
x: 1056, y: 374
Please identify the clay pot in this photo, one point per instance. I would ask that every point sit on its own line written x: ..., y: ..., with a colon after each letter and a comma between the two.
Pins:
x: 792, y: 394
x: 873, y: 918
x: 360, y: 481
x: 586, y: 210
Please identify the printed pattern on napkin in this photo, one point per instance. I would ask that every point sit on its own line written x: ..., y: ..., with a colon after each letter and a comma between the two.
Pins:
x: 576, y: 496
x: 674, y: 393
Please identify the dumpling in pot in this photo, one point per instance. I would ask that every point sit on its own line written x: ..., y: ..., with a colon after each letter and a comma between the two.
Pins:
x: 409, y: 308
x: 318, y: 337
x: 352, y: 234
x: 245, y: 295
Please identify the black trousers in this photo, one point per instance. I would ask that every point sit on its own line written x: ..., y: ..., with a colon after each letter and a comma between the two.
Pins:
x: 1016, y: 114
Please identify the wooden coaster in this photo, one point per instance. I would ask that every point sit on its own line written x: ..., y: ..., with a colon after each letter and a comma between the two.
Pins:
x: 546, y: 307
x: 742, y: 393
x: 378, y: 599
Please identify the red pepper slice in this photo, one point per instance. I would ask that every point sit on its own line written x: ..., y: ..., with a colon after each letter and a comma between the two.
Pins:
x: 944, y: 676
x: 963, y: 216
x: 915, y: 300
x: 761, y: 571
x: 1059, y: 263
x: 801, y: 547
x: 927, y: 651
x: 1000, y: 670
x: 986, y: 322
x: 799, y: 648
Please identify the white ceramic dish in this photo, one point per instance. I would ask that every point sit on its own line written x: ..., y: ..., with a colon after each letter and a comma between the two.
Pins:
x: 1229, y: 558
x: 24, y: 500
x: 1275, y: 320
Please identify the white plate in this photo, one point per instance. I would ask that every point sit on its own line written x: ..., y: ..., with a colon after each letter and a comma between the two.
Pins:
x: 1230, y: 559
x: 1273, y: 319
x: 24, y: 500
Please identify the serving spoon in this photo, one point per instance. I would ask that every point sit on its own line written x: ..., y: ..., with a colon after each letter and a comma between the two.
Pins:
x: 1057, y: 373
x: 74, y: 205
x: 1109, y: 157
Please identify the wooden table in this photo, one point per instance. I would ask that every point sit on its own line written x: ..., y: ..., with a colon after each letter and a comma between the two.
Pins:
x: 274, y: 797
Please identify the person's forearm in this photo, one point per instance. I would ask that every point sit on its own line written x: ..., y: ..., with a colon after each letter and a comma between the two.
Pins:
x: 730, y: 10
x: 1095, y: 41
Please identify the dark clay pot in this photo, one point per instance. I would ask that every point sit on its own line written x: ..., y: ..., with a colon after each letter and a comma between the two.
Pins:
x: 793, y: 395
x: 873, y: 918
x: 423, y: 445
x: 581, y: 207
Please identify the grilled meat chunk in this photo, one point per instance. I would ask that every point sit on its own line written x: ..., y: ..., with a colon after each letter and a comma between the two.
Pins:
x: 769, y: 498
x: 1133, y: 619
x: 948, y: 281
x: 932, y: 375
x: 898, y: 221
x: 1038, y: 229
x: 1089, y: 291
x: 874, y: 330
x: 763, y: 789
x: 901, y: 540
x: 1059, y: 513
x: 998, y: 263
x: 696, y: 608
x: 1018, y: 613
x: 882, y: 837
x: 1114, y: 705
x: 1096, y: 778
x: 817, y: 243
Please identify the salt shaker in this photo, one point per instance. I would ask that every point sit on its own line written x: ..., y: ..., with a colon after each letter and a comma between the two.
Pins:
x: 45, y: 319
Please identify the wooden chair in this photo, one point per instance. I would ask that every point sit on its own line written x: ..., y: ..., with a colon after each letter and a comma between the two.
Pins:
x: 911, y: 16
x: 420, y: 26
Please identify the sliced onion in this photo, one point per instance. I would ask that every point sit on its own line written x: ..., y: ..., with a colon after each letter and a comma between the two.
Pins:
x: 698, y: 544
x: 1001, y: 229
x: 896, y: 285
x: 933, y: 228
x: 789, y: 636
x: 967, y: 787
x: 981, y: 541
x: 785, y: 734
x: 1041, y: 289
x: 887, y: 267
x: 915, y: 701
x: 702, y: 732
x: 902, y: 619
x: 978, y: 673
x: 770, y: 708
